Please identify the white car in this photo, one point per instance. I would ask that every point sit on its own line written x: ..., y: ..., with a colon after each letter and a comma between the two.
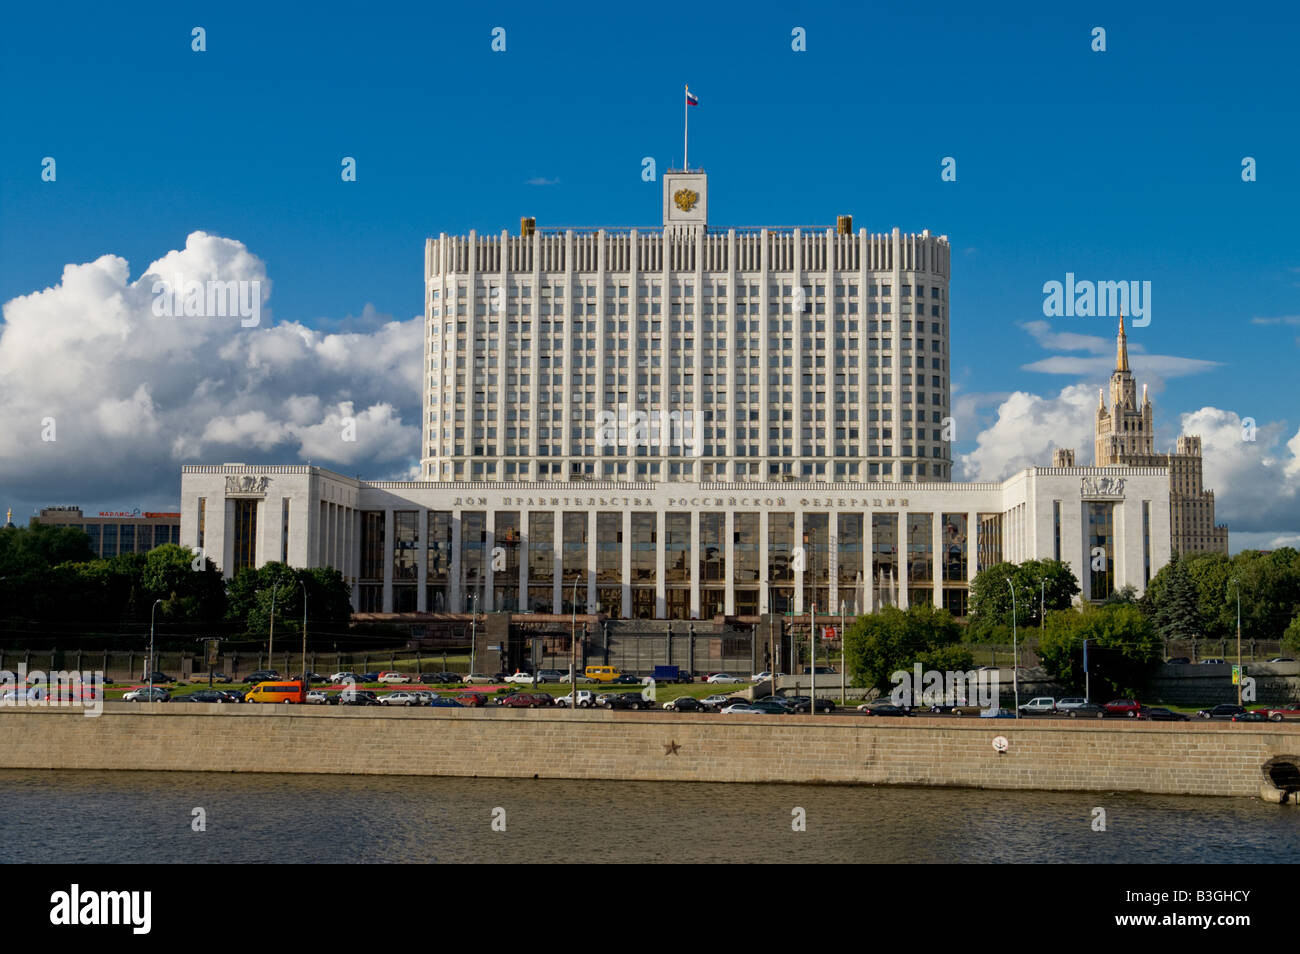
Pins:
x: 1039, y: 704
x: 520, y: 677
x: 339, y: 677
x: 740, y: 707
x: 760, y: 676
x: 586, y: 699
x: 399, y: 699
x: 476, y: 678
x: 723, y: 700
x: 722, y: 677
x: 317, y: 697
x: 396, y: 678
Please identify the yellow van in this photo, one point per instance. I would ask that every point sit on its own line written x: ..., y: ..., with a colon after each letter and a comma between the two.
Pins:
x: 601, y: 673
x: 277, y: 692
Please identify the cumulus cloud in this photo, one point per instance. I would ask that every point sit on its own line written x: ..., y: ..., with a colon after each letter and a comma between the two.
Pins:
x: 1028, y: 427
x: 130, y: 395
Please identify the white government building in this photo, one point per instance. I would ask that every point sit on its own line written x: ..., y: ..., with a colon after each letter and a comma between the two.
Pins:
x: 678, y: 423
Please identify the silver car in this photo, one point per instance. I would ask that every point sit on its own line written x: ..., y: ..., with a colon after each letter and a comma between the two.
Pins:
x: 400, y: 699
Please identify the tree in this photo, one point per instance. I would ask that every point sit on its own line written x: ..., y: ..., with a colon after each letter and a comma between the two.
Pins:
x: 1291, y: 638
x: 1049, y: 582
x: 40, y: 546
x: 1177, y: 608
x: 249, y: 596
x: 881, y: 643
x: 1122, y: 646
x: 189, y: 595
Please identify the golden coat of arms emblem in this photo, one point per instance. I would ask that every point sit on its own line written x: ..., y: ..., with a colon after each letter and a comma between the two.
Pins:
x: 686, y: 199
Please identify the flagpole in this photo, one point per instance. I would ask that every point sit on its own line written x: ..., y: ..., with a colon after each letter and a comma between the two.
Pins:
x: 686, y: 129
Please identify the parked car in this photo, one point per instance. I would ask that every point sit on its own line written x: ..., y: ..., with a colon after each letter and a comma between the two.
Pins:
x: 519, y: 676
x: 742, y: 708
x: 586, y: 699
x: 159, y: 678
x: 719, y: 700
x: 1178, y: 661
x: 1224, y: 710
x: 686, y: 704
x: 997, y: 714
x: 210, y: 677
x: 945, y: 708
x: 720, y: 678
x: 477, y: 678
x: 339, y: 677
x: 1250, y: 717
x: 1088, y: 710
x: 1161, y: 714
x: 208, y: 695
x: 883, y: 709
x: 1072, y: 702
x: 1216, y: 661
x: 400, y: 699
x: 394, y: 678
x: 622, y: 700
x: 424, y: 695
x: 820, y: 670
x: 145, y: 694
x: 472, y: 700
x: 1277, y: 715
x: 369, y: 677
x: 773, y: 705
x: 444, y: 702
x: 804, y: 704
x: 263, y: 675
x: 317, y: 697
x: 1038, y: 705
x: 526, y: 700
x: 760, y: 676
x: 1124, y: 707
x: 358, y: 697
x: 627, y: 679
x: 550, y: 675
x: 1277, y: 659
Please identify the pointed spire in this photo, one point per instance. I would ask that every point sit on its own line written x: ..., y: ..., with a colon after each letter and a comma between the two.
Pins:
x: 1101, y: 399
x: 1121, y: 348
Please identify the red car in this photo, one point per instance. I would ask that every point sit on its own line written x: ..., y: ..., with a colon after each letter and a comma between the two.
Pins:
x: 1124, y: 707
x: 526, y: 700
x: 1277, y: 715
x: 471, y: 699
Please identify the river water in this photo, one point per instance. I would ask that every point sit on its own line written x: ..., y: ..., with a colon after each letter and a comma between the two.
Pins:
x: 73, y: 816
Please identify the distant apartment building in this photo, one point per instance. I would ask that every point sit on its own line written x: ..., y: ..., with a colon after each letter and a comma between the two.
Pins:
x: 1125, y: 435
x: 115, y: 532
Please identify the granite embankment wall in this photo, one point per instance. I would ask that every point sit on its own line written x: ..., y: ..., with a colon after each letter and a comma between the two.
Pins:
x: 1188, y: 758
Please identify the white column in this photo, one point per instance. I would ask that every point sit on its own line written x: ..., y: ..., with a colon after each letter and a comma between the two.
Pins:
x: 388, y: 559
x: 695, y: 565
x: 422, y: 561
x: 729, y: 561
x: 627, y: 563
x: 798, y: 543
x: 661, y: 533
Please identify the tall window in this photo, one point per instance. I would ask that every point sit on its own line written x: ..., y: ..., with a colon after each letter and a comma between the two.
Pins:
x: 541, y: 561
x: 438, y: 562
x: 505, y: 579
x: 1101, y: 549
x: 245, y: 536
x: 848, y: 544
x: 473, y: 559
x: 780, y: 562
x: 920, y: 558
x: 203, y: 525
x: 884, y: 558
x: 609, y: 563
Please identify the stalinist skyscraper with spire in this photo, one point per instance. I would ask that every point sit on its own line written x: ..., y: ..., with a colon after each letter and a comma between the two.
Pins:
x: 1125, y: 436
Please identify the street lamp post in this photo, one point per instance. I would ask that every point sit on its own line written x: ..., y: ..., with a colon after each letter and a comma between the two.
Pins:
x: 843, y: 658
x: 1237, y: 584
x: 573, y: 652
x: 473, y: 632
x: 1015, y: 650
x: 152, y: 610
x: 270, y: 646
x: 303, y: 584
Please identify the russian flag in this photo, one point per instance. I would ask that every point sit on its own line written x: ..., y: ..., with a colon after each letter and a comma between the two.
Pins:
x: 691, y: 98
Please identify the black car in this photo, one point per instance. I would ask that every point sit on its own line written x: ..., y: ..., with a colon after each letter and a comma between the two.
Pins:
x: 803, y: 703
x: 263, y: 675
x: 622, y: 700
x: 158, y: 678
x: 821, y: 670
x: 369, y: 677
x: 1160, y: 714
x: 1178, y: 661
x: 773, y: 705
x: 358, y: 697
x: 687, y: 704
x: 1089, y: 710
x: 312, y: 677
x: 1224, y: 710
x: 627, y: 679
x: 206, y: 695
x: 1250, y: 717
x: 886, y: 709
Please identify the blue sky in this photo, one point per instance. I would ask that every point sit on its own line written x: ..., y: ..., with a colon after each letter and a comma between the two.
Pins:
x: 1117, y: 165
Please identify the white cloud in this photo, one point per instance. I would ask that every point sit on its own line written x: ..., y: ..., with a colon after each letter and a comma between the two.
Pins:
x: 135, y: 395
x: 1028, y: 427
